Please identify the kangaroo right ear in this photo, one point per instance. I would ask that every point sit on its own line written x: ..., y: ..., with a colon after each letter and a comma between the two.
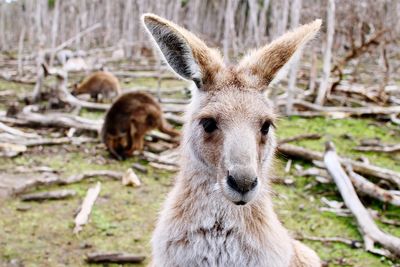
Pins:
x: 187, y: 55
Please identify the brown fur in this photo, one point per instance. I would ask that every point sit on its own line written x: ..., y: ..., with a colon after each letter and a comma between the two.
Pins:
x: 99, y: 83
x: 130, y: 117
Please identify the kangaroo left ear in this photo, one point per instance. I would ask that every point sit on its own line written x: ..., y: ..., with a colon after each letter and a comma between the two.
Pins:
x: 265, y: 62
x: 187, y: 55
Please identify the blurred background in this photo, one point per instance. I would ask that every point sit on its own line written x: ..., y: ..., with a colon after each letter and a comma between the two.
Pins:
x: 343, y: 88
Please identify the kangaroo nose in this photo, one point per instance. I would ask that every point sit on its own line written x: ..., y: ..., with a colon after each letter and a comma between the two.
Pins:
x: 240, y: 184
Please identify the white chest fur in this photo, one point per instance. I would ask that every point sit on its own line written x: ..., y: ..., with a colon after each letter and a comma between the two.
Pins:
x: 214, y: 232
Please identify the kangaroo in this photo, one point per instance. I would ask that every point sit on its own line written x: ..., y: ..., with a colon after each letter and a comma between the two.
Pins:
x: 130, y: 117
x: 99, y: 83
x: 220, y: 212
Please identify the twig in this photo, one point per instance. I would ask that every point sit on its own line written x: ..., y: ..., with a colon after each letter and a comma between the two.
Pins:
x: 113, y: 257
x: 349, y: 242
x: 51, y: 195
x: 379, y: 148
x: 86, y: 208
x: 79, y: 177
x: 300, y: 137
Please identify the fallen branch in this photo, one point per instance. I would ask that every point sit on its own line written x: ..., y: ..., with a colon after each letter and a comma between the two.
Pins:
x: 10, y: 150
x: 299, y: 138
x: 379, y: 148
x: 371, y: 233
x: 17, y: 132
x: 86, y: 208
x: 349, y: 111
x: 359, y: 167
x: 55, y: 180
x: 79, y: 177
x: 51, y: 195
x: 368, y: 188
x: 29, y: 118
x: 113, y: 257
x: 164, y: 167
x: 349, y: 242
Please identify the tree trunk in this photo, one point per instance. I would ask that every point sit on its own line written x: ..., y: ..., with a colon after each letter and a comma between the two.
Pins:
x: 294, y: 22
x: 323, y: 87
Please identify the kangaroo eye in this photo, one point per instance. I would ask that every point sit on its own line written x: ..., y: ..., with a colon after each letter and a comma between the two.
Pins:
x: 209, y: 124
x: 265, y: 127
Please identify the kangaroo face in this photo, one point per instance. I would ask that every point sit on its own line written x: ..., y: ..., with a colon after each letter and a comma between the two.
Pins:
x: 230, y: 130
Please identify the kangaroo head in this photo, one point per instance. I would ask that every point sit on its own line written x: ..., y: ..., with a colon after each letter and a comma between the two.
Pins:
x: 230, y: 126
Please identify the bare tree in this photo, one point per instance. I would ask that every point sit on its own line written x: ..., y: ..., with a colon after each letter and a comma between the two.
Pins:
x: 294, y: 22
x: 323, y: 87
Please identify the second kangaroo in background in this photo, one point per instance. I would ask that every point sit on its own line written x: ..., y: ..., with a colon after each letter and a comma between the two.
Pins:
x: 100, y: 83
x: 130, y: 117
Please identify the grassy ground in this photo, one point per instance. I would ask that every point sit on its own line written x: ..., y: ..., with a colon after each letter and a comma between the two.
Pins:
x: 123, y: 217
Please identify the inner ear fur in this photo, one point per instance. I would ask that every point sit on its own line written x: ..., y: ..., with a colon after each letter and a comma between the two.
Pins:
x: 265, y: 62
x: 187, y: 55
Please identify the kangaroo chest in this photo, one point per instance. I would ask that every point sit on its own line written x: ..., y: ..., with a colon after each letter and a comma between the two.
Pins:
x: 212, y: 246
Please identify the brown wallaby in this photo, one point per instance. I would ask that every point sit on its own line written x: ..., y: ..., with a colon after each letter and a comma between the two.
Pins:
x: 220, y: 212
x: 100, y: 83
x: 130, y: 117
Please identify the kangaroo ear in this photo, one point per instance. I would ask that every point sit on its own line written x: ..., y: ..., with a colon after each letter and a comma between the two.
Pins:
x: 187, y: 55
x: 265, y: 62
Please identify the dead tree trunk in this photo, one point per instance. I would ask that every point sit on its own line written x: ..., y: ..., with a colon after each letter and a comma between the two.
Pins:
x: 323, y: 87
x: 54, y: 30
x: 229, y: 33
x: 294, y: 22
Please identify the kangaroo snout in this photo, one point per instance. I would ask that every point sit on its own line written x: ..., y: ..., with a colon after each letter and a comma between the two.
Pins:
x: 242, y: 180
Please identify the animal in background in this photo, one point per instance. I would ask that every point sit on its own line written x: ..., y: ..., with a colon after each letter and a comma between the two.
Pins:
x: 100, y: 84
x: 220, y: 211
x: 130, y: 117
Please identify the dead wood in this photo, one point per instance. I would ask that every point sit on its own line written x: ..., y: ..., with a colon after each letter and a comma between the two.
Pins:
x: 375, y: 214
x: 336, y: 239
x: 348, y: 111
x: 165, y: 167
x: 89, y: 174
x: 113, y: 257
x: 379, y: 148
x: 299, y: 138
x: 86, y: 208
x: 59, y: 141
x: 76, y: 178
x: 156, y: 135
x: 151, y: 157
x: 50, y: 195
x: 130, y: 178
x: 368, y: 188
x: 47, y: 181
x: 359, y: 167
x: 30, y: 118
x: 175, y: 119
x: 10, y: 150
x: 13, y: 131
x: 371, y: 233
x: 139, y: 167
x: 394, y: 118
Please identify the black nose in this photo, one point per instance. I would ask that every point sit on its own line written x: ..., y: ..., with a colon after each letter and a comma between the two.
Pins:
x: 242, y: 185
